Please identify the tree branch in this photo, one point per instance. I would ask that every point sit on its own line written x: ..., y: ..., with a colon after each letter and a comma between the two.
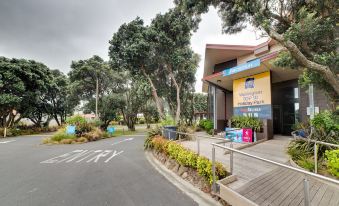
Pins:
x: 328, y: 75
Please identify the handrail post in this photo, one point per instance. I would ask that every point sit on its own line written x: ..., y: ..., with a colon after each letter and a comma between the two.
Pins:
x: 198, y: 145
x: 315, y: 158
x: 306, y: 192
x: 214, y: 186
x: 231, y: 158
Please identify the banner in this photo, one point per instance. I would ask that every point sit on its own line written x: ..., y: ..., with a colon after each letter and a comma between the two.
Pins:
x: 252, y: 96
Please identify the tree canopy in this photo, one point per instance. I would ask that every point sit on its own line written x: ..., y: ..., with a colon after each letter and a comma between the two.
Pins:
x: 307, y: 29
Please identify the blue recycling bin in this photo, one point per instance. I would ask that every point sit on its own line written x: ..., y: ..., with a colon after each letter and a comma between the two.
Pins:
x: 170, y: 132
x: 111, y: 130
x: 70, y: 129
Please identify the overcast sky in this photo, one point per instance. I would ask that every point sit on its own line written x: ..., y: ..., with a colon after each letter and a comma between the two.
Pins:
x: 55, y: 32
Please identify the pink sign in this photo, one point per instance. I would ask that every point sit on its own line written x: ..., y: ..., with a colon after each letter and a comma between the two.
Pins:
x: 247, y: 135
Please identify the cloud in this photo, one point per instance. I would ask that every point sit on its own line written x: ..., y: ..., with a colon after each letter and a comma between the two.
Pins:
x: 57, y: 32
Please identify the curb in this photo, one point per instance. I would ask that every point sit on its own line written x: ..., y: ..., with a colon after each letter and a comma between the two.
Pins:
x: 194, y: 193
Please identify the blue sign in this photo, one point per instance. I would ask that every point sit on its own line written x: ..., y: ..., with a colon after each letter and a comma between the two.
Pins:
x: 234, y: 134
x: 258, y: 111
x: 242, y: 67
x: 110, y: 130
x: 70, y: 129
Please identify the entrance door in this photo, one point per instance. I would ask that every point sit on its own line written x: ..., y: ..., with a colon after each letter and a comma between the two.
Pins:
x: 277, y: 123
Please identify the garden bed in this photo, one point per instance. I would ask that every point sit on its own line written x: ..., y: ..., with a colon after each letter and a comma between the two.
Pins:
x: 27, y: 130
x: 185, y: 163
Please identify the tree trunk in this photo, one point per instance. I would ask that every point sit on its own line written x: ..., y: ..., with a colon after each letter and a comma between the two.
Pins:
x: 177, y: 86
x: 57, y: 120
x: 154, y: 94
x: 328, y: 75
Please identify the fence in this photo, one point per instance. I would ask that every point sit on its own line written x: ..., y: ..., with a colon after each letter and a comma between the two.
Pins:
x: 315, y: 148
x: 306, y: 173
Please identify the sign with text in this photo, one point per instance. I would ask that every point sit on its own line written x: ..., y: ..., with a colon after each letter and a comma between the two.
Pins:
x: 242, y: 67
x: 252, y: 96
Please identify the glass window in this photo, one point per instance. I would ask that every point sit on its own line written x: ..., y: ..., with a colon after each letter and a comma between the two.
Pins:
x: 296, y: 93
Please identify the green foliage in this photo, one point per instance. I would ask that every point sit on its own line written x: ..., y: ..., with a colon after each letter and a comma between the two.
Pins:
x: 326, y: 121
x: 76, y: 120
x: 246, y: 122
x: 310, y: 27
x: 168, y: 121
x: 61, y: 134
x: 206, y: 124
x: 80, y: 123
x: 188, y: 158
x: 156, y: 131
x: 204, y: 167
x: 307, y: 163
x: 332, y: 157
x: 33, y: 91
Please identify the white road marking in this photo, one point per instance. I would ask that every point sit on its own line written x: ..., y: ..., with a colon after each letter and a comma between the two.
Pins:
x: 77, y: 156
x: 90, y: 154
x: 8, y: 141
x: 102, y: 154
x: 125, y: 140
x: 113, y: 155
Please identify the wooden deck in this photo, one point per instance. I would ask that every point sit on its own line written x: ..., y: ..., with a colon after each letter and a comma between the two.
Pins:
x: 285, y: 187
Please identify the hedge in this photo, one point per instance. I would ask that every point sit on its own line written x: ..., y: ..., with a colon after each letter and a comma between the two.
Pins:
x: 188, y: 158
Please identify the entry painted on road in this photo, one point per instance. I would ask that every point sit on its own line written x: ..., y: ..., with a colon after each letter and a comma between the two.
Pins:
x: 8, y: 141
x: 87, y: 156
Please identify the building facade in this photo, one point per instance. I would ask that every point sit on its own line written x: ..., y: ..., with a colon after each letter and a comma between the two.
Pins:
x: 242, y: 80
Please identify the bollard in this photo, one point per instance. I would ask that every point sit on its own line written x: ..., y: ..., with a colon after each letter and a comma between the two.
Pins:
x: 214, y: 186
x: 231, y: 159
x: 306, y: 192
x: 315, y: 158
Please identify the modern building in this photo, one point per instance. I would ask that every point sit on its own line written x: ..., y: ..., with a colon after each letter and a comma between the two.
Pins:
x: 242, y: 80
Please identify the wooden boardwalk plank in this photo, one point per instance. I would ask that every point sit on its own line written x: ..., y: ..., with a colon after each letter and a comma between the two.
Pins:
x: 313, y: 190
x: 253, y: 184
x: 261, y: 186
x: 286, y: 193
x: 335, y: 199
x: 280, y: 190
x: 327, y: 197
x: 319, y: 195
x: 293, y: 192
x: 271, y: 189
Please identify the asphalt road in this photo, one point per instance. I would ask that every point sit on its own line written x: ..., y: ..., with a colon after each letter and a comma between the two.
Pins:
x: 107, y: 172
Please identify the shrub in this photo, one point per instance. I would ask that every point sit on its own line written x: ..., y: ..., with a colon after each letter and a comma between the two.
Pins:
x: 246, y: 122
x: 156, y: 131
x: 94, y: 135
x: 207, y: 125
x: 326, y: 121
x: 82, y: 139
x: 204, y: 167
x: 76, y: 120
x: 188, y: 158
x: 306, y: 163
x: 60, y: 135
x: 66, y: 141
x: 169, y: 121
x: 160, y: 144
x: 332, y: 157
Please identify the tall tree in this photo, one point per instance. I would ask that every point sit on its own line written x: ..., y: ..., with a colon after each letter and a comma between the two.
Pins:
x: 173, y: 31
x: 131, y: 49
x: 307, y: 29
x: 92, y: 79
x: 23, y: 86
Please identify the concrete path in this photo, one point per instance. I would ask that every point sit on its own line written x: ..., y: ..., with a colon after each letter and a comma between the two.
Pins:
x: 104, y: 173
x: 246, y: 168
